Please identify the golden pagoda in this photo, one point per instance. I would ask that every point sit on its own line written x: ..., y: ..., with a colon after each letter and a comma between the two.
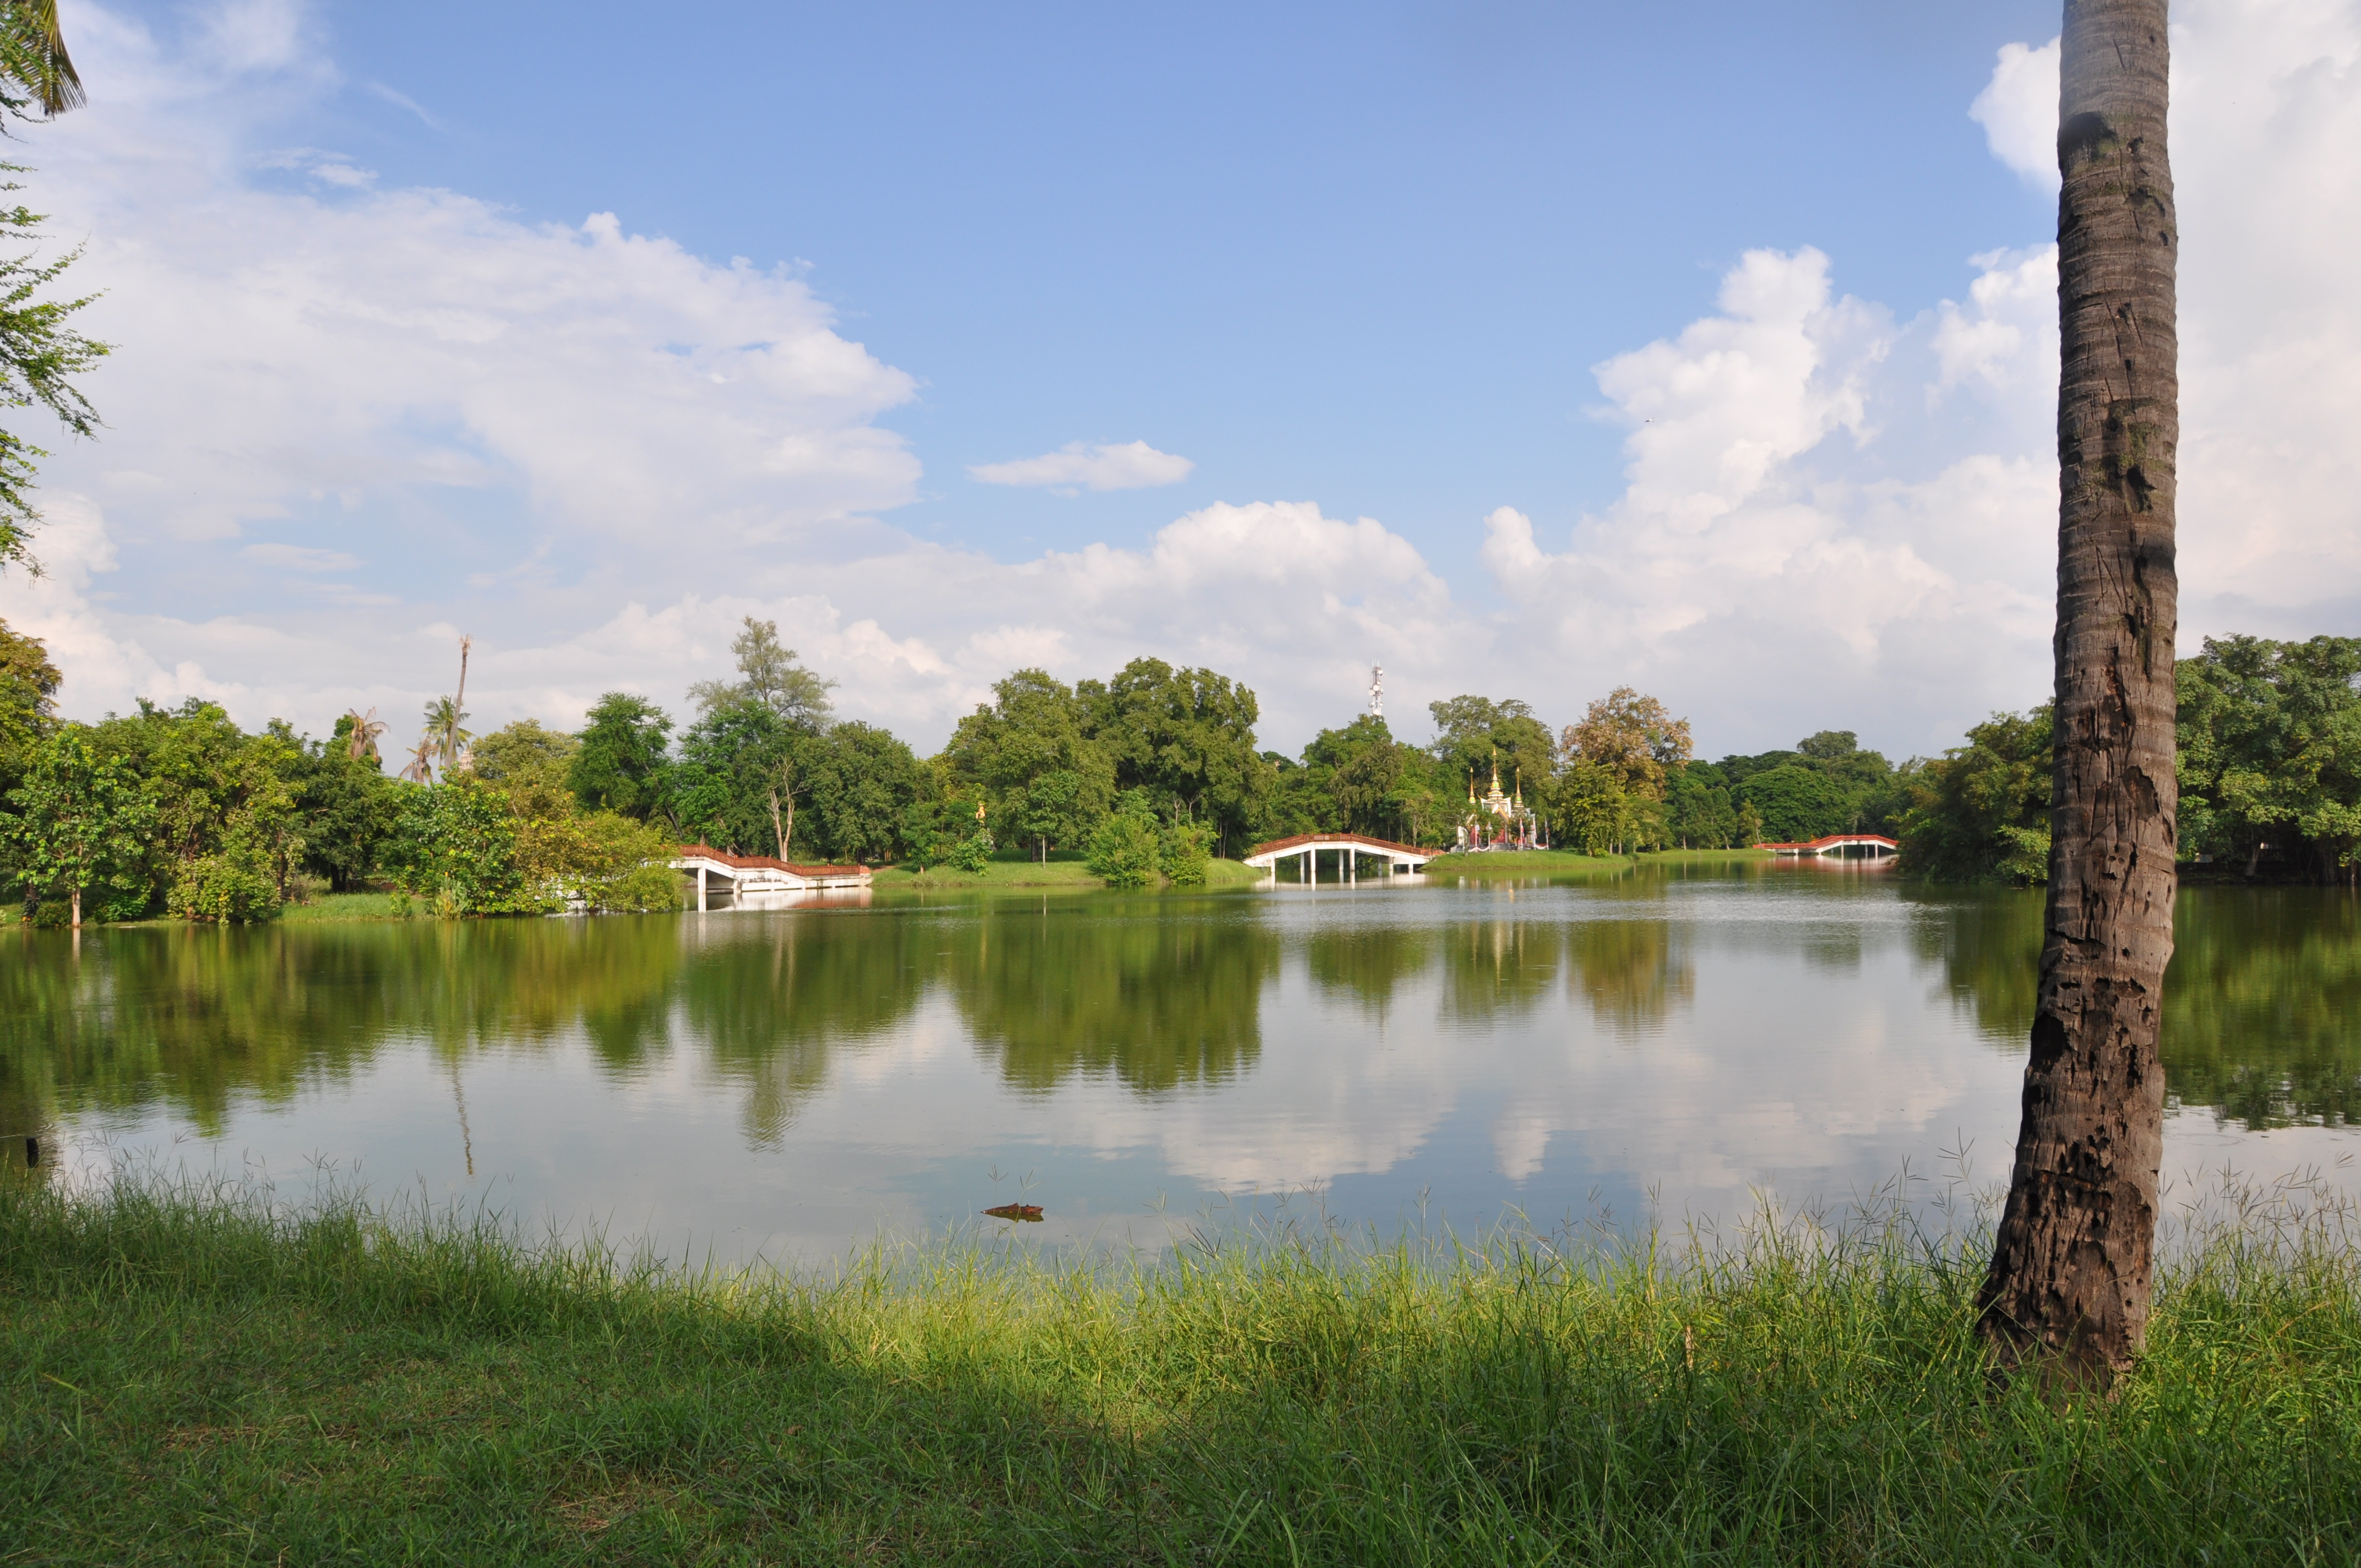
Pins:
x: 1499, y: 820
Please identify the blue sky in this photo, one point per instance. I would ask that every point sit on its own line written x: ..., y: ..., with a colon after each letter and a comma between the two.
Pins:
x: 1529, y: 350
x: 1365, y: 253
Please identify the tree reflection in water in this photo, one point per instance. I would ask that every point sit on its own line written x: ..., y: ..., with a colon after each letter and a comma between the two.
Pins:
x: 1160, y: 994
x: 197, y: 1019
x: 2262, y: 1020
x: 1499, y: 969
x: 2262, y: 1005
x: 1632, y: 973
x: 769, y: 999
x: 1369, y: 964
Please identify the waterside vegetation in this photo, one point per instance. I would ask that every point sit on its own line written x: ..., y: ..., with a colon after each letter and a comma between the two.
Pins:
x: 191, y: 1379
x: 1149, y: 778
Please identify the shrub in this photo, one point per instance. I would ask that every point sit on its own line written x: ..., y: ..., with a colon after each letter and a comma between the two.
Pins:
x: 1185, y: 855
x: 1124, y: 852
x: 454, y: 846
x: 972, y: 854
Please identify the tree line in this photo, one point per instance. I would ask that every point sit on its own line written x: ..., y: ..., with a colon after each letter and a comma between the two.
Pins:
x: 1146, y: 774
x: 2269, y: 760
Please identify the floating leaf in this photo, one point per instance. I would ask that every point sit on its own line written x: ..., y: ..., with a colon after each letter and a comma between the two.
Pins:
x: 1016, y: 1212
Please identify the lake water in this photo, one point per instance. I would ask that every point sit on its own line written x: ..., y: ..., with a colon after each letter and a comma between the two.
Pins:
x: 1664, y: 1043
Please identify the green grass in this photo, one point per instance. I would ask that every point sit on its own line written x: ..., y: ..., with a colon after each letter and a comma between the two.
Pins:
x: 1067, y: 874
x: 340, y: 907
x: 1492, y: 866
x: 188, y: 1380
x: 1707, y: 857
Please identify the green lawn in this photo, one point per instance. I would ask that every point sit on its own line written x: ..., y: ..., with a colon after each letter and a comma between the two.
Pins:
x: 1521, y: 863
x: 1068, y: 874
x: 340, y: 907
x: 184, y: 1382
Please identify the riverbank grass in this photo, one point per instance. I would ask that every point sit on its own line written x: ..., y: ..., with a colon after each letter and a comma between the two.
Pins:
x: 1055, y: 874
x: 1493, y: 866
x: 190, y: 1380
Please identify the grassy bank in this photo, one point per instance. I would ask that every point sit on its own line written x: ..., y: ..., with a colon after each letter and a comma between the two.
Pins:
x: 1491, y: 867
x: 1068, y: 874
x: 189, y: 1382
x: 340, y: 907
x: 1705, y: 857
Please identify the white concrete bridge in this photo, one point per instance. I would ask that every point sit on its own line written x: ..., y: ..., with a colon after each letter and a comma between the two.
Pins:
x: 759, y: 873
x: 1350, y: 850
x: 1877, y: 844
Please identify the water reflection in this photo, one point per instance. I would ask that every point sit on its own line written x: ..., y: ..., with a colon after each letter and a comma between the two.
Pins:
x: 1742, y: 1026
x: 1630, y: 973
x: 2262, y: 1005
x: 1158, y: 997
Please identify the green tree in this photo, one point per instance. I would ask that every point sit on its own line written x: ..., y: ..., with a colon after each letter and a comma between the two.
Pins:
x: 1589, y: 808
x: 28, y: 693
x: 80, y: 817
x: 1980, y: 812
x: 455, y: 847
x: 243, y: 861
x: 622, y: 764
x: 41, y: 352
x: 1799, y: 803
x: 1362, y: 767
x: 1635, y: 738
x: 2270, y: 759
x: 861, y: 783
x: 522, y: 749
x: 1123, y: 852
x: 1186, y: 736
x: 768, y: 676
x: 1029, y: 752
x: 736, y: 783
x: 1698, y: 811
x: 444, y: 733
x: 1472, y: 733
x: 345, y: 806
x: 215, y: 789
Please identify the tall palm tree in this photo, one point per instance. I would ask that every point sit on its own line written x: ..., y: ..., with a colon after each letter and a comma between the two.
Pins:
x: 444, y: 736
x: 33, y: 55
x: 2069, y: 1284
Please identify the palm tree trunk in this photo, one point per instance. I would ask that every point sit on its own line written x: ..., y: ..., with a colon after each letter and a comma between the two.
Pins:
x: 2069, y: 1284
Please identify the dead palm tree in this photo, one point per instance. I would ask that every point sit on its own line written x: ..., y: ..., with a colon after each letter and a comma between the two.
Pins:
x: 2069, y: 1285
x: 361, y: 739
x: 33, y: 56
x: 420, y: 768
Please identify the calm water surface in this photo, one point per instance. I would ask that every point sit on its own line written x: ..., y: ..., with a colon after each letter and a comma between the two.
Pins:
x: 1667, y: 1042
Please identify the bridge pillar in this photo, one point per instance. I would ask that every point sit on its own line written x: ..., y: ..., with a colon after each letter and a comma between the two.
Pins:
x: 700, y: 887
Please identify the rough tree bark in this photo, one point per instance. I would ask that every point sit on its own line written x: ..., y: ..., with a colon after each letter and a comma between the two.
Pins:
x: 2069, y: 1279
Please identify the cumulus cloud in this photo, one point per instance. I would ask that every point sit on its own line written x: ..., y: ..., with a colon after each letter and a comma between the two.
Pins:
x: 346, y: 422
x: 1787, y: 522
x: 1078, y: 466
x: 2018, y: 110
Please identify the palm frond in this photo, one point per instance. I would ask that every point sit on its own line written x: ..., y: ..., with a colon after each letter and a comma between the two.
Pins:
x: 34, y: 48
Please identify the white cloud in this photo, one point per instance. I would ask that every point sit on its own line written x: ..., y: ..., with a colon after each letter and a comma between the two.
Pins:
x: 2018, y: 110
x: 301, y: 558
x: 596, y: 451
x: 1134, y: 466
